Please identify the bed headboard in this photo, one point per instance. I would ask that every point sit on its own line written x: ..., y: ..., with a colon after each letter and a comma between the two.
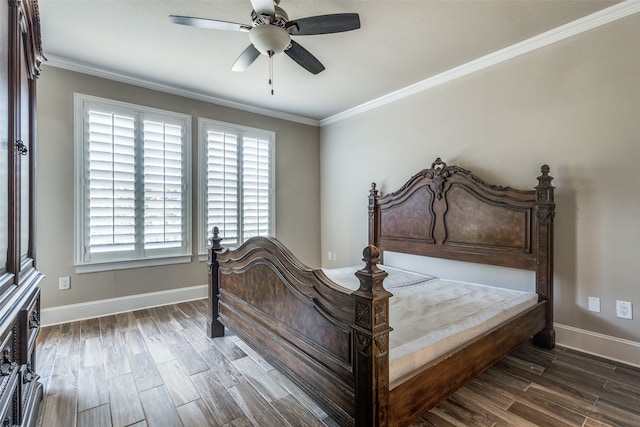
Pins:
x: 448, y: 212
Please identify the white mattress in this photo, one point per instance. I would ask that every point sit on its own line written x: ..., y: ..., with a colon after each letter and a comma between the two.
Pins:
x: 431, y: 316
x: 346, y: 277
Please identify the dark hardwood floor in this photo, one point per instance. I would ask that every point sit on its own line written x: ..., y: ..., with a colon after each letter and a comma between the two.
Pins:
x: 156, y: 367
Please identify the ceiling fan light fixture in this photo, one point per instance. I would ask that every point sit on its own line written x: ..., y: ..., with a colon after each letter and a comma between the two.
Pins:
x: 269, y: 38
x: 270, y: 32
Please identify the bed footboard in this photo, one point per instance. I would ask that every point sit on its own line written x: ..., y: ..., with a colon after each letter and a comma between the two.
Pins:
x: 331, y: 342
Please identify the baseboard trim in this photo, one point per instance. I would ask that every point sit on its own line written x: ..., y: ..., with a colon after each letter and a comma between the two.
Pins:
x: 88, y: 310
x: 606, y: 346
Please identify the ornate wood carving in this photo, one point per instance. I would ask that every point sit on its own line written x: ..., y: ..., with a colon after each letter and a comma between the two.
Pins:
x: 363, y: 314
x: 545, y: 212
x: 448, y: 212
x: 438, y: 174
x: 374, y: 223
x: 372, y: 361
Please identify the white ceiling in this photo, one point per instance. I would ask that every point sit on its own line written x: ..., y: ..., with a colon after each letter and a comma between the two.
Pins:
x: 399, y: 44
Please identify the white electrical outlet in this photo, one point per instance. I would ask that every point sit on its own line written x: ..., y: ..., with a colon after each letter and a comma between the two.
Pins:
x: 329, y: 256
x: 594, y: 304
x: 64, y: 283
x: 624, y: 310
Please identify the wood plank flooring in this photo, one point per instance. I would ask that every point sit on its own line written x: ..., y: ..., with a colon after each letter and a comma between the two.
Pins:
x: 156, y: 367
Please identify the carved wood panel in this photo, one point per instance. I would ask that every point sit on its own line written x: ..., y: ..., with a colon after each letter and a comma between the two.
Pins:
x: 472, y: 221
x: 411, y: 219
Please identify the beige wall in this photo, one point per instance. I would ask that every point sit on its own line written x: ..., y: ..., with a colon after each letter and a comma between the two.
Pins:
x: 574, y: 105
x: 297, y: 188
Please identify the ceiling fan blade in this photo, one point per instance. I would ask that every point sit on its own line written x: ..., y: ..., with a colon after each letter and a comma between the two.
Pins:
x: 246, y: 58
x: 264, y: 7
x: 212, y: 24
x: 324, y: 24
x: 304, y: 58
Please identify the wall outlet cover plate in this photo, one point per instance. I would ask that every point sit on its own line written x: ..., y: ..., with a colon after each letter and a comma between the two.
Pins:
x: 624, y: 310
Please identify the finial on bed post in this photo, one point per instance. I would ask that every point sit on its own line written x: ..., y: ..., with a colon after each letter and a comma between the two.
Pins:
x: 215, y: 239
x: 545, y: 212
x: 371, y: 342
x: 371, y: 276
x: 373, y: 215
x: 214, y: 327
x: 373, y: 192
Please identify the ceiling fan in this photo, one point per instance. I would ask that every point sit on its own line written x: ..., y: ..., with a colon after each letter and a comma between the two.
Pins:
x: 270, y: 32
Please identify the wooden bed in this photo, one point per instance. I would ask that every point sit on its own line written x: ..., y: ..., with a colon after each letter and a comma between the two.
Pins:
x: 334, y: 343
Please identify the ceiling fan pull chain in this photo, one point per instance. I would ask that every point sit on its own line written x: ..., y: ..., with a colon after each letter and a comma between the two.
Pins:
x: 271, y: 71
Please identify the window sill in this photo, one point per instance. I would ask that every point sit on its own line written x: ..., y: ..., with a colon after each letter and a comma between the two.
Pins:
x: 123, y: 265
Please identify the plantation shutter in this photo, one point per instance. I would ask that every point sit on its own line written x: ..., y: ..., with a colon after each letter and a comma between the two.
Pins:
x: 132, y: 193
x: 222, y: 184
x: 256, y: 184
x: 163, y: 185
x: 236, y: 172
x: 111, y: 183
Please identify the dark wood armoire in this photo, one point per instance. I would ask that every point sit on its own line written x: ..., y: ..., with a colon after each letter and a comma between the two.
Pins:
x: 20, y: 60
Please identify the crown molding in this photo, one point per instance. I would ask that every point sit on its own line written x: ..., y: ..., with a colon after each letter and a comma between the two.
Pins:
x: 84, y: 68
x: 563, y: 32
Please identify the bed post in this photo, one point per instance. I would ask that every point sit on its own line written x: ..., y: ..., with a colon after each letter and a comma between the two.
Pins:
x: 214, y: 327
x: 545, y: 211
x: 374, y: 218
x: 371, y: 343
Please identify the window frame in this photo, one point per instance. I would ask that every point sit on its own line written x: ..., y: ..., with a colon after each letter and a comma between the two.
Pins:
x: 139, y: 257
x: 204, y: 125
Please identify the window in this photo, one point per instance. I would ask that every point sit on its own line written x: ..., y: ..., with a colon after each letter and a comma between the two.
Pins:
x: 236, y: 178
x: 132, y: 185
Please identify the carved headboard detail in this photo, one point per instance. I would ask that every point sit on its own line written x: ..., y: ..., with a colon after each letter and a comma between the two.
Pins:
x: 448, y: 212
